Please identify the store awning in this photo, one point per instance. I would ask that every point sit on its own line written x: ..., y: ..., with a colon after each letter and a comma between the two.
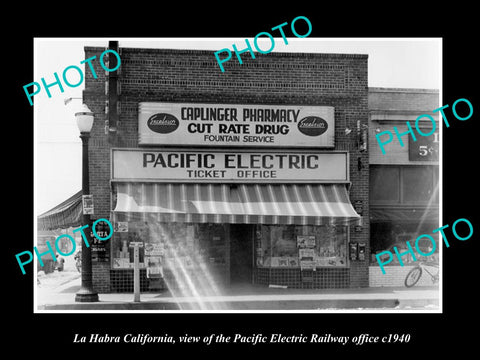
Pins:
x: 302, y: 204
x: 297, y: 204
x: 65, y: 215
x: 173, y: 202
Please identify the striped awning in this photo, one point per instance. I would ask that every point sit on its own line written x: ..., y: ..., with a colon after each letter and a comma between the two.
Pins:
x: 64, y: 215
x: 318, y: 204
x: 302, y: 204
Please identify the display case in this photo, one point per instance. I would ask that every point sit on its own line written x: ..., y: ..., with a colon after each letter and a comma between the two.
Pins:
x: 301, y: 246
x: 178, y: 249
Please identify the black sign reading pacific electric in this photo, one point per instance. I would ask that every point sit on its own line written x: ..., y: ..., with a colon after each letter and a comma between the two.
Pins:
x: 236, y: 125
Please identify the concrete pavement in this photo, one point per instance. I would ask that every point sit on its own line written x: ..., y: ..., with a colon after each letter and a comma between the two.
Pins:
x: 250, y: 298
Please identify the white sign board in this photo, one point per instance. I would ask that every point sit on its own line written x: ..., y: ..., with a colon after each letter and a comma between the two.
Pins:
x: 135, y: 243
x: 236, y: 125
x: 229, y: 166
x: 87, y: 203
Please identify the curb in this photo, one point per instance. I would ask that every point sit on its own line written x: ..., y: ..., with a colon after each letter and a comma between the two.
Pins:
x: 331, y: 304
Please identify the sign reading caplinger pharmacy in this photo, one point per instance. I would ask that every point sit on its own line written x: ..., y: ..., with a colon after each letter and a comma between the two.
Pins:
x: 161, y: 123
x: 176, y: 165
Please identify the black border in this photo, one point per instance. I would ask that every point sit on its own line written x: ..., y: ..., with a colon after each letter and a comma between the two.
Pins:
x: 431, y: 333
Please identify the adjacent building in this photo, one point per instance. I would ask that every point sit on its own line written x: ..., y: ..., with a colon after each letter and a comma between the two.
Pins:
x: 404, y: 182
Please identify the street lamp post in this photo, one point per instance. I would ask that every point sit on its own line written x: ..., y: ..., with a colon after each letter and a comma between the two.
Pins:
x: 86, y: 293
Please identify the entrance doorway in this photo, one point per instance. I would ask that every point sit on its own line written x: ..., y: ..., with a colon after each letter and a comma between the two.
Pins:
x: 241, y: 253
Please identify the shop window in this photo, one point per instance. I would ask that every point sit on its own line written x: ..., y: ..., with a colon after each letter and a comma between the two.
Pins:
x: 170, y: 246
x: 404, y: 185
x: 419, y: 184
x: 287, y: 246
x: 384, y: 184
x: 211, y: 242
x: 387, y: 235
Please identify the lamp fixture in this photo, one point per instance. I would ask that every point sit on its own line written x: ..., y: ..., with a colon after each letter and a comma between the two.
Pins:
x: 84, y: 119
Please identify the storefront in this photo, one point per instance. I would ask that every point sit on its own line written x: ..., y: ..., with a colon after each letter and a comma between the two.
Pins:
x: 277, y: 229
x: 404, y: 183
x: 235, y: 179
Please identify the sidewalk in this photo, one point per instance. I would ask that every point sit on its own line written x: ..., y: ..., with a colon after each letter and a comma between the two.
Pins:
x: 252, y: 298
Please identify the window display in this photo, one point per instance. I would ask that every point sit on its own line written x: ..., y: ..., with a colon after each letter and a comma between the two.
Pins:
x: 388, y: 235
x: 301, y: 246
x: 169, y: 245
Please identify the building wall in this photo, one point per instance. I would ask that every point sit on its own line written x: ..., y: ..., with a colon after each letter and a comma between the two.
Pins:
x: 338, y: 80
x: 389, y: 108
x: 391, y: 99
x: 395, y: 153
x: 395, y: 276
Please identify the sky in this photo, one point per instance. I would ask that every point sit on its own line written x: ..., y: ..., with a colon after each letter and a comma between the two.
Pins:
x: 393, y: 63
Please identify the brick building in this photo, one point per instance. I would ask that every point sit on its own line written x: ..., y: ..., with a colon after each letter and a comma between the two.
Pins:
x: 404, y: 182
x: 223, y: 227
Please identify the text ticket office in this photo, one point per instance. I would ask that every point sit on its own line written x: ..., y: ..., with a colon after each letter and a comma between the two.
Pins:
x: 231, y: 215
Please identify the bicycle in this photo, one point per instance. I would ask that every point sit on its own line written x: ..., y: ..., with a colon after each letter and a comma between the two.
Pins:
x: 415, y: 274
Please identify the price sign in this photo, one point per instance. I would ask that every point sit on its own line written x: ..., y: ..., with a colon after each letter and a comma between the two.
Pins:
x: 425, y: 148
x: 87, y: 203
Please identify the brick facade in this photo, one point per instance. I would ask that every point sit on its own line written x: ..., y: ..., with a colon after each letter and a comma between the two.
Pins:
x: 395, y: 276
x: 389, y: 108
x: 392, y: 107
x: 338, y: 80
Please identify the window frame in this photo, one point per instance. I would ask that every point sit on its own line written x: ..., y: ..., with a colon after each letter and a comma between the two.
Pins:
x: 401, y: 201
